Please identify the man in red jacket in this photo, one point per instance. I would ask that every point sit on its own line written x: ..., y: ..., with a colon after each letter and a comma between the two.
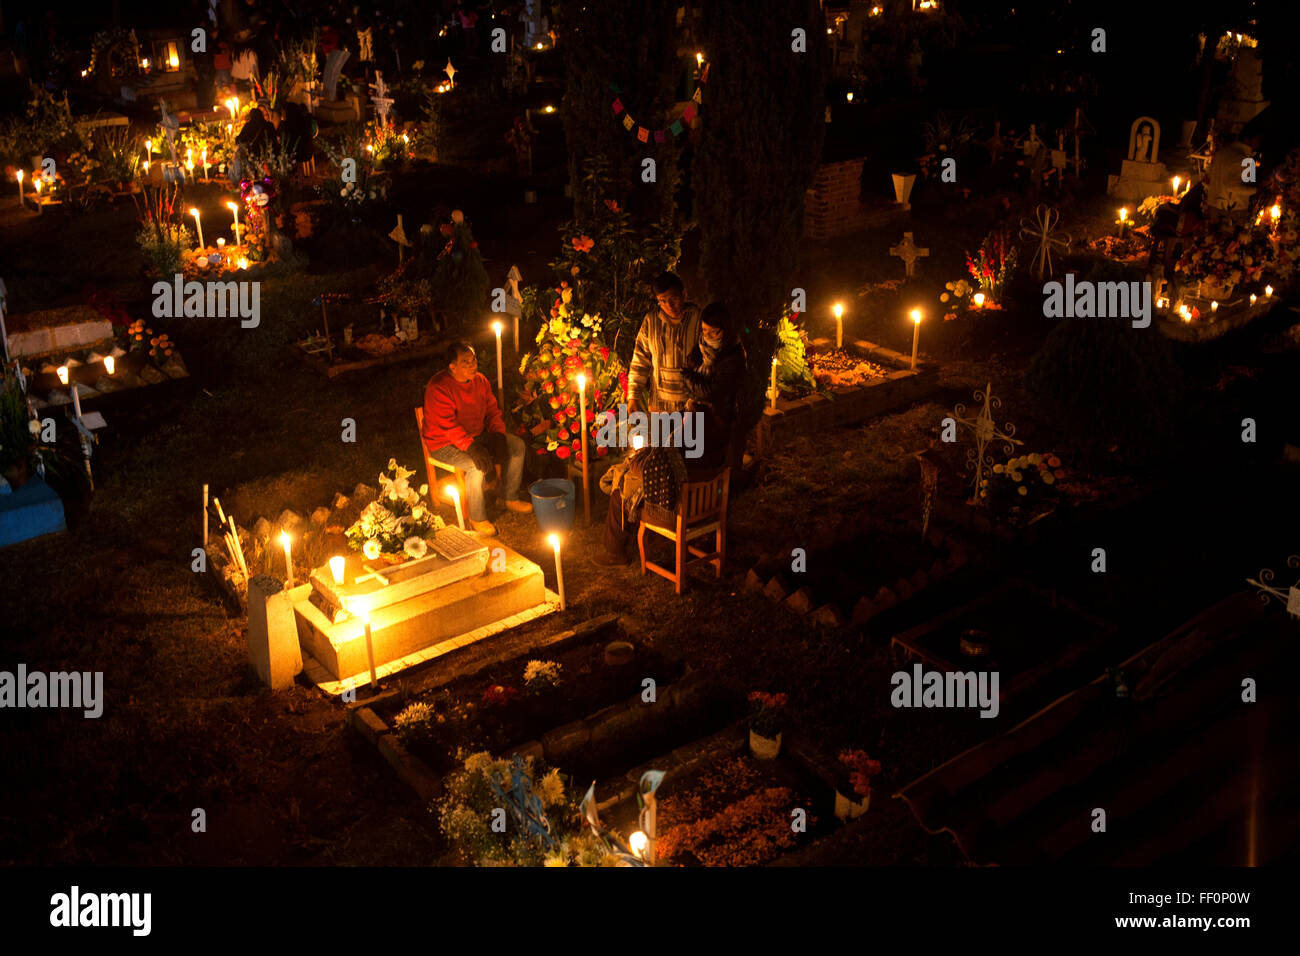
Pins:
x: 463, y: 427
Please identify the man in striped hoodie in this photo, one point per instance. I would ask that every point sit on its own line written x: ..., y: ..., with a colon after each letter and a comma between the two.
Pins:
x: 669, y: 333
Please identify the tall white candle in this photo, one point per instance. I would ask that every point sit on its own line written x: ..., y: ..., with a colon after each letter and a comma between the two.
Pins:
x: 370, y: 654
x: 454, y: 494
x: 76, y: 399
x: 559, y: 568
x: 20, y: 188
x: 496, y: 327
x: 839, y: 325
x: 199, y: 223
x: 288, y: 557
x: 234, y: 207
x: 916, y: 333
x: 336, y: 568
x: 582, y: 420
x: 771, y: 392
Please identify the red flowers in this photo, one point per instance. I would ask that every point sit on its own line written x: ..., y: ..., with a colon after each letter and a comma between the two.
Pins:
x: 862, y: 768
x: 611, y: 205
x: 497, y: 695
x: 604, y: 354
x: 562, y: 452
x: 584, y: 243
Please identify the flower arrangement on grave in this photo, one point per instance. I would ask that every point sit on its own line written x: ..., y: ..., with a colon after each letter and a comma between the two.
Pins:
x: 213, y: 142
x: 388, y: 146
x: 793, y: 373
x: 555, y: 837
x: 498, y: 695
x: 258, y: 199
x: 542, y: 675
x: 1022, y: 484
x: 957, y: 296
x: 568, y: 344
x: 993, y: 264
x: 767, y: 713
x: 861, y: 769
x: 163, y: 234
x: 606, y: 252
x: 398, y: 523
x: 1225, y: 258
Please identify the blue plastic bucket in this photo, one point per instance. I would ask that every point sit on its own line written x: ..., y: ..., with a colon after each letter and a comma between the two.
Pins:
x: 553, y: 503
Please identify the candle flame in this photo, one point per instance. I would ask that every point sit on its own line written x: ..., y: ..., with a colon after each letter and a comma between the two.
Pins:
x: 1123, y: 213
x: 1268, y: 290
x: 555, y: 542
x: 285, y: 539
x: 916, y: 316
x: 638, y: 842
x: 109, y: 363
x: 638, y: 442
x: 838, y: 309
x: 243, y: 263
x: 63, y: 374
x: 453, y: 493
x: 20, y: 175
x: 336, y: 568
x: 497, y: 327
x: 1275, y: 211
x: 232, y: 207
x: 1177, y: 180
x: 979, y: 298
x: 582, y: 381
x: 194, y: 212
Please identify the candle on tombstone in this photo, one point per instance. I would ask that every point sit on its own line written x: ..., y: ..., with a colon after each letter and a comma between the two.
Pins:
x: 370, y: 651
x: 234, y: 207
x: 838, y: 309
x: 198, y: 222
x: 454, y: 494
x: 1123, y: 220
x: 62, y: 372
x: 109, y: 364
x: 336, y: 568
x: 496, y: 327
x: 559, y: 567
x: 916, y: 333
x: 582, y: 418
x: 288, y: 556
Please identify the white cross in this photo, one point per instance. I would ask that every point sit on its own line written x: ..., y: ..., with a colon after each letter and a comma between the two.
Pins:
x: 909, y: 252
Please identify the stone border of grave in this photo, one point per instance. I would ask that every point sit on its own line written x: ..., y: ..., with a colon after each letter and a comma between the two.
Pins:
x: 848, y: 406
x: 556, y: 744
x: 776, y: 584
x: 1205, y: 331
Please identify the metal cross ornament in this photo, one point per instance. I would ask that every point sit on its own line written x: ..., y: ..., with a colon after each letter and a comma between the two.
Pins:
x: 909, y: 252
x: 380, y: 98
x: 986, y: 433
x: 1289, y: 597
x: 1041, y: 228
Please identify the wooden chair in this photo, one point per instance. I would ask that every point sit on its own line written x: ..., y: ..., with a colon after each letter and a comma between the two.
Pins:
x: 701, y: 510
x: 432, y: 465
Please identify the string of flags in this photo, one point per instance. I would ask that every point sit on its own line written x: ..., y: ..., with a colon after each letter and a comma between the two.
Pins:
x: 660, y: 135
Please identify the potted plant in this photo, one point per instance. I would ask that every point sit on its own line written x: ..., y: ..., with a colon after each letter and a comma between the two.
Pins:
x: 853, y: 795
x: 766, y: 722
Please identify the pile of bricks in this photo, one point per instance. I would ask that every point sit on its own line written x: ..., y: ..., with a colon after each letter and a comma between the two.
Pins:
x: 833, y: 204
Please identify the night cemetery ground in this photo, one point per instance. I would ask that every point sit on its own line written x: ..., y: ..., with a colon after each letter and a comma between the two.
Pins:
x: 998, y: 543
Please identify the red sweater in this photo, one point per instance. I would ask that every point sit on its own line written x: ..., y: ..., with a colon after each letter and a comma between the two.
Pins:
x: 456, y: 414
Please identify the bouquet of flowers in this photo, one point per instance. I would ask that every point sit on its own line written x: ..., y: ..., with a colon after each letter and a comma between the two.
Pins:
x: 995, y: 263
x: 398, y: 523
x: 861, y: 769
x: 1226, y: 257
x: 1021, y: 483
x: 767, y: 713
x: 568, y: 345
x: 958, y: 294
x: 388, y: 146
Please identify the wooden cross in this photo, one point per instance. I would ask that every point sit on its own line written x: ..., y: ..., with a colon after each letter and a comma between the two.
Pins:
x: 398, y: 236
x: 986, y: 431
x: 1081, y: 128
x: 909, y: 252
x: 514, y: 301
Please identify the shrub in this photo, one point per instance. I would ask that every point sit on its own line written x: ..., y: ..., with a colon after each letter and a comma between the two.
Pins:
x: 162, y: 244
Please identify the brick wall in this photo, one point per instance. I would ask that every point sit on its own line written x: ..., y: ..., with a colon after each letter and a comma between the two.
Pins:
x: 831, y: 206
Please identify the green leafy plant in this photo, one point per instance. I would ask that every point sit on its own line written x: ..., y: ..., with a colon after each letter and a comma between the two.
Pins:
x: 118, y: 153
x: 792, y: 370
x: 162, y: 244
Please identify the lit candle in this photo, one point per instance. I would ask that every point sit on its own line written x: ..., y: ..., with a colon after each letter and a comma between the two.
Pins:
x: 1275, y: 213
x: 838, y: 309
x: 199, y: 224
x: 189, y: 165
x: 1214, y: 306
x: 37, y: 181
x: 232, y: 104
x: 20, y: 187
x: 454, y: 494
x: 370, y: 651
x: 1123, y: 218
x: 559, y: 567
x: 336, y: 568
x: 234, y: 207
x: 582, y: 418
x: 62, y: 372
x: 288, y: 556
x: 1252, y: 298
x: 146, y: 169
x: 1177, y: 180
x: 638, y: 442
x: 221, y: 243
x: 243, y: 263
x: 637, y: 843
x: 1268, y: 291
x: 496, y: 327
x: 109, y: 363
x: 916, y: 333
x: 979, y: 300
x: 771, y: 391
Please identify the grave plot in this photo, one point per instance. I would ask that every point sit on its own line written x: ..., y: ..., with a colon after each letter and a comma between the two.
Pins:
x: 1039, y: 643
x: 578, y: 703
x: 861, y: 381
x: 858, y: 574
x: 356, y: 335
